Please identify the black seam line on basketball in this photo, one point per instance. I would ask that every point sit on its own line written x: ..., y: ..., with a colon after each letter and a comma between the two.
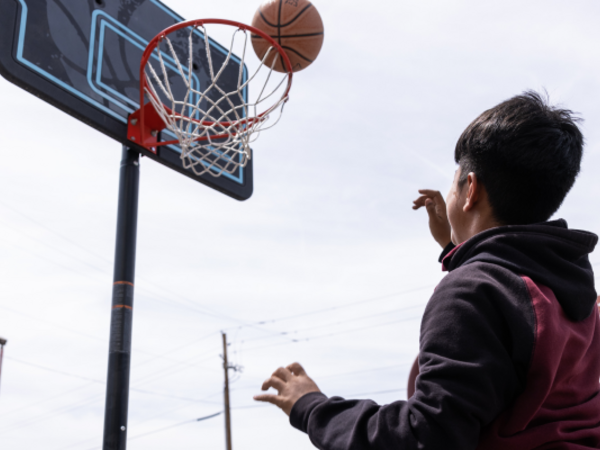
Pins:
x: 279, y: 33
x: 283, y: 36
x: 285, y: 25
x: 279, y: 23
x: 297, y: 16
x: 265, y: 19
x: 299, y: 54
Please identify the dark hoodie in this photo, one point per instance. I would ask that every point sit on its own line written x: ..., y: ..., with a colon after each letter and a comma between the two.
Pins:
x: 509, y: 355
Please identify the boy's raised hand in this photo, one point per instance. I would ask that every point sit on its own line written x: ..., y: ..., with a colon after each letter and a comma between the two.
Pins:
x: 291, y: 383
x: 436, y: 209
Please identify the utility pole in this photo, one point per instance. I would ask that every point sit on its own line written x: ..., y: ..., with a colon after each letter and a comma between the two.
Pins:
x: 226, y: 392
x: 2, y: 344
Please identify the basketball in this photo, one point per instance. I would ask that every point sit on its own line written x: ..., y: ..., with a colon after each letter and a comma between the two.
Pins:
x: 296, y: 25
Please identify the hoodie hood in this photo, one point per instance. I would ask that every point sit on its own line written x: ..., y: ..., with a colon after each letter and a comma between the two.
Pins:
x: 548, y: 253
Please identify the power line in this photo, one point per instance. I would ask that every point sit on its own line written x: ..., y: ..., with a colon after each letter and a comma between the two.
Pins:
x: 171, y: 371
x: 354, y: 372
x: 189, y: 304
x: 321, y: 336
x: 55, y: 249
x: 137, y: 350
x: 134, y: 425
x: 347, y: 305
x: 70, y: 269
x: 158, y: 375
x: 170, y: 352
x: 69, y: 408
x: 168, y: 395
x: 41, y: 225
x: 374, y: 369
x: 174, y: 369
x: 78, y: 405
x: 133, y: 389
x: 339, y: 322
x: 60, y: 372
x: 62, y: 394
x: 54, y: 324
x: 160, y: 430
x: 180, y: 407
x: 152, y: 375
x: 336, y: 375
x: 200, y: 309
x: 175, y: 425
x: 53, y: 413
x: 194, y: 307
x: 176, y: 397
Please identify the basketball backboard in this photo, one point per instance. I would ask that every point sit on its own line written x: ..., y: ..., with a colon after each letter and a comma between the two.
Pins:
x: 83, y: 56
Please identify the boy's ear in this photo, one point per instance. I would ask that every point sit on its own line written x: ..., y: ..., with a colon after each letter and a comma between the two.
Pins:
x: 473, y: 188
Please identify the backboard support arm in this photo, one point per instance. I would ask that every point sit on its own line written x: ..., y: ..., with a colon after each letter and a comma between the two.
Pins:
x: 119, y: 358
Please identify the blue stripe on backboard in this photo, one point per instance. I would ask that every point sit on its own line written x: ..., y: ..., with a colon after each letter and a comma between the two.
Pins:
x: 140, y: 44
x: 51, y: 77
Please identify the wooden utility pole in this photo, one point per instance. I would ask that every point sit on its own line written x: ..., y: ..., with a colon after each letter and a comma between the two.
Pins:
x: 226, y: 392
x: 2, y: 344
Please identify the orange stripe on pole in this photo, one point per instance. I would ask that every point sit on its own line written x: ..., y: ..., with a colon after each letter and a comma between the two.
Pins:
x: 122, y: 306
x: 122, y: 282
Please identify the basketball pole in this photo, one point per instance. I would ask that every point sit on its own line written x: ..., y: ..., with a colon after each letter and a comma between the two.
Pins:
x: 119, y: 353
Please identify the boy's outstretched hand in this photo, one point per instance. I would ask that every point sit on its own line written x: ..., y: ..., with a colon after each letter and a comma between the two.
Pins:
x: 291, y: 384
x: 436, y: 209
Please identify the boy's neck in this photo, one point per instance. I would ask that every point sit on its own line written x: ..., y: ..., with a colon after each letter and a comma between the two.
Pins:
x: 477, y: 224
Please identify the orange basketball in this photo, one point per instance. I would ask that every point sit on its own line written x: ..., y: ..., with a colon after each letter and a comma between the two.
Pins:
x: 296, y: 25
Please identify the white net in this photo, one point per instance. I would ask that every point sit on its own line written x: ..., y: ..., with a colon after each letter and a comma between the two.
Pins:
x: 212, y: 118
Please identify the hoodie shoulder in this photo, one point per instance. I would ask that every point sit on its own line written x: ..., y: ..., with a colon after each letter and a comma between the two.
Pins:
x: 550, y: 254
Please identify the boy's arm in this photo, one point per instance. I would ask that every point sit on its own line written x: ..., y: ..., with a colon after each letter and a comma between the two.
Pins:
x: 467, y: 378
x: 439, y: 226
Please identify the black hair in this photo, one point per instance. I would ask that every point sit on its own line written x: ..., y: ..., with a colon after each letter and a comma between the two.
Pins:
x: 527, y: 155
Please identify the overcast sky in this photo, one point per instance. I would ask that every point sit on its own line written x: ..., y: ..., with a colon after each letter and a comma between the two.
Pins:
x: 326, y: 264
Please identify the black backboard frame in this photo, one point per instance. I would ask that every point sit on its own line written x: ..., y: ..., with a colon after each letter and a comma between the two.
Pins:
x: 33, y: 82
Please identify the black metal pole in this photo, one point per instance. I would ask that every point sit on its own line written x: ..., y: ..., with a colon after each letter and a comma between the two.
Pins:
x: 119, y: 354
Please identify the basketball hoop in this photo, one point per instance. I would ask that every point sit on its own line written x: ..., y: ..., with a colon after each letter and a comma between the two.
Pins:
x: 213, y: 127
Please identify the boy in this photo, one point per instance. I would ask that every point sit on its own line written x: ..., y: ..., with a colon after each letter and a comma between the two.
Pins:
x: 510, y: 340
